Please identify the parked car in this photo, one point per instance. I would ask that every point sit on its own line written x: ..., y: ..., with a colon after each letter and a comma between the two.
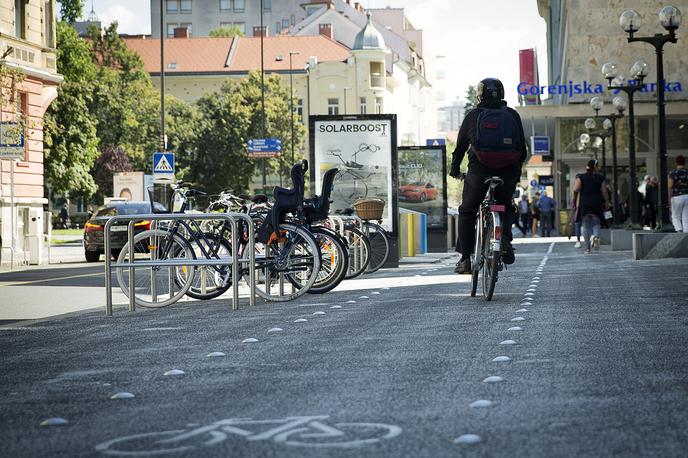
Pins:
x: 94, y: 242
x: 419, y: 191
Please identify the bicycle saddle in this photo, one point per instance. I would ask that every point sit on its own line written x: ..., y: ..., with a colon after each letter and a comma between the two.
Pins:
x: 494, y: 180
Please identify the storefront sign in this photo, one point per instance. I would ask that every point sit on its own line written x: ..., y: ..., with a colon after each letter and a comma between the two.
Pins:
x: 585, y: 87
x: 539, y: 145
x: 423, y: 183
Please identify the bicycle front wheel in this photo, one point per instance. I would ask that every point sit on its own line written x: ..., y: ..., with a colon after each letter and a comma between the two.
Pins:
x: 156, y: 286
x: 379, y: 246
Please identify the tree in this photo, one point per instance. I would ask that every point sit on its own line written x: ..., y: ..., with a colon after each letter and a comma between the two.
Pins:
x: 71, y: 10
x: 227, y: 119
x: 125, y: 104
x: 226, y: 32
x: 110, y: 161
x: 471, y: 99
x: 183, y: 122
x: 70, y: 145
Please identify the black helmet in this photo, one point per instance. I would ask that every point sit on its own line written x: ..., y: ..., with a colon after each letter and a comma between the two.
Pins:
x: 490, y: 89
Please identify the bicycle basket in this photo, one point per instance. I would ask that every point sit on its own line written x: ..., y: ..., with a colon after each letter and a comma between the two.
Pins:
x: 156, y: 207
x: 370, y: 209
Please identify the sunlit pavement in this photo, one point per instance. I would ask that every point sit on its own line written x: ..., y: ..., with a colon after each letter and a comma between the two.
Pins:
x: 577, y: 355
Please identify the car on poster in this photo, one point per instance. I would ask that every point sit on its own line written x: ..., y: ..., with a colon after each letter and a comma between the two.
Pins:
x: 418, y: 191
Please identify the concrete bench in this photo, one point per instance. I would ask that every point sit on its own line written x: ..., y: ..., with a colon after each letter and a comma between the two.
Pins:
x: 605, y: 236
x: 650, y: 245
x: 621, y: 239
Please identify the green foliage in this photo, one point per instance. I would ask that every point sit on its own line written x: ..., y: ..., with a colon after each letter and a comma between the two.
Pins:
x: 224, y: 122
x: 226, y: 32
x: 125, y: 104
x: 454, y: 186
x: 471, y: 99
x: 183, y: 122
x: 70, y: 145
x: 71, y: 10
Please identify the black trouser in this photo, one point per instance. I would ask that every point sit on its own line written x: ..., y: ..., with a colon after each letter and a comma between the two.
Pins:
x: 474, y: 190
x: 525, y: 223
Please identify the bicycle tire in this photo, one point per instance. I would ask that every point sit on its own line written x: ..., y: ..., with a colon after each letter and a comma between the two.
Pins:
x: 359, y: 252
x: 476, y: 258
x: 299, y: 239
x: 491, y: 260
x: 186, y: 273
x: 218, y: 279
x: 334, y: 261
x: 379, y: 246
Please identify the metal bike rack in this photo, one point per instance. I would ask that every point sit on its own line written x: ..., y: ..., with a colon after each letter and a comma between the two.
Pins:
x: 338, y: 224
x: 234, y: 262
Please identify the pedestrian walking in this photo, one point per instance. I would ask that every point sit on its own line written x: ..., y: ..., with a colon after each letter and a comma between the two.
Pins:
x: 678, y: 187
x: 534, y: 215
x: 594, y: 200
x: 64, y: 216
x: 576, y: 217
x: 524, y: 214
x: 546, y: 206
x: 651, y: 201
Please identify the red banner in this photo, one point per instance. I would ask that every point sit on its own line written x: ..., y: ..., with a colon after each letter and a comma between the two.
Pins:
x: 529, y: 74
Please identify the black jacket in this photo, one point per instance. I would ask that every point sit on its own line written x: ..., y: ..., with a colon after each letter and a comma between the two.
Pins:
x: 467, y: 137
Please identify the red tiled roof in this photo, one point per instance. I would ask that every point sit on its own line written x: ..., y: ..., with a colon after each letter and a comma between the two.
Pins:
x: 183, y: 54
x: 210, y: 55
x: 247, y: 54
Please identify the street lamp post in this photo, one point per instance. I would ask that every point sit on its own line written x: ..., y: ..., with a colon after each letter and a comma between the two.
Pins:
x: 617, y: 82
x: 670, y: 18
x: 291, y: 100
x: 596, y: 103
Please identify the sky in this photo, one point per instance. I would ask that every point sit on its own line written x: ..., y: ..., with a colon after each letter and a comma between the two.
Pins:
x: 480, y: 38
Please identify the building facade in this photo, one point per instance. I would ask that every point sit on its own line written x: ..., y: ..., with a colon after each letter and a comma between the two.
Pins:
x: 199, y: 17
x: 581, y: 36
x: 29, y: 84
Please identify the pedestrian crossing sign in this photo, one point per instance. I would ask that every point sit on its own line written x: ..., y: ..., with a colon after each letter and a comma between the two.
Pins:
x: 163, y: 166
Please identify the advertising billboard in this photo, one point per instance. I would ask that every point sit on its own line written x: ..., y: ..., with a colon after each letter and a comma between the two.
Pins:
x: 129, y: 185
x: 364, y: 149
x: 423, y: 182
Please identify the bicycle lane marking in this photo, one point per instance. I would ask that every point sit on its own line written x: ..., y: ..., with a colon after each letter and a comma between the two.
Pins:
x: 291, y: 431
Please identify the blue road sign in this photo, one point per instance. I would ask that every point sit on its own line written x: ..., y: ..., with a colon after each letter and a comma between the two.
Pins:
x: 265, y: 145
x: 533, y: 182
x: 539, y: 144
x: 435, y: 142
x: 163, y: 165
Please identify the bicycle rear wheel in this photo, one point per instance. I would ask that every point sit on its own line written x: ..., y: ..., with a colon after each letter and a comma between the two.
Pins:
x: 359, y: 252
x: 490, y: 257
x: 157, y: 286
x: 379, y: 245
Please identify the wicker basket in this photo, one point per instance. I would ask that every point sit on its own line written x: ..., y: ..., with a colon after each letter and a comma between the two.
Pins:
x: 370, y: 209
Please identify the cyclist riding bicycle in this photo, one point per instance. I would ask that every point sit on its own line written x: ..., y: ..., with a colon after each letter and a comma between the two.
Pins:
x: 492, y: 133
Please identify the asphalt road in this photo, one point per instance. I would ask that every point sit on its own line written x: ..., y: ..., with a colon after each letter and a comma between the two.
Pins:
x: 597, y: 369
